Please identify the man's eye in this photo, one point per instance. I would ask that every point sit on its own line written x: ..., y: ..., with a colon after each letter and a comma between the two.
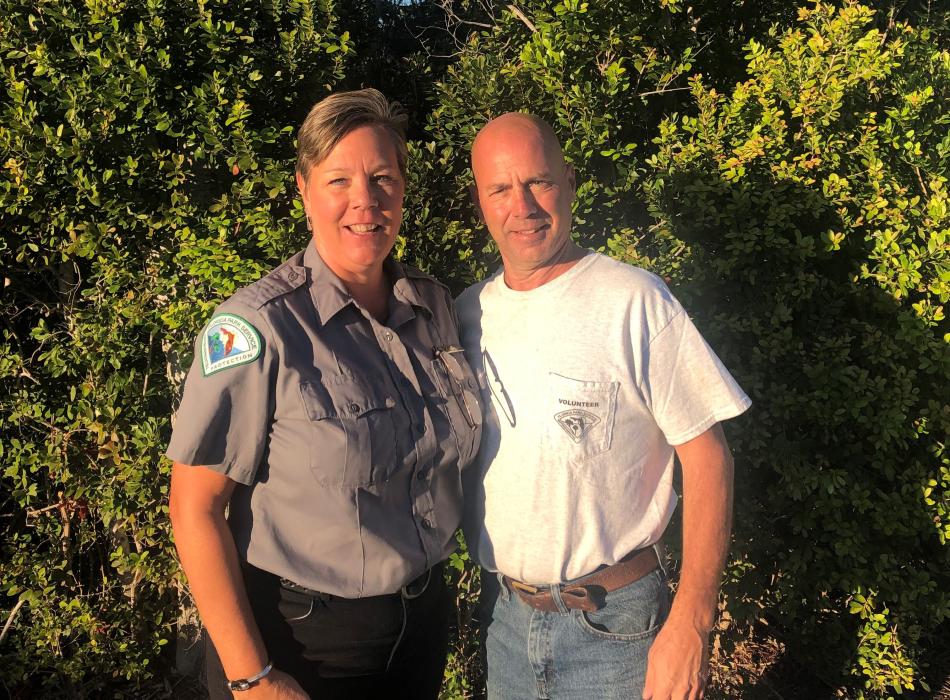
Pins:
x: 385, y: 179
x: 541, y: 185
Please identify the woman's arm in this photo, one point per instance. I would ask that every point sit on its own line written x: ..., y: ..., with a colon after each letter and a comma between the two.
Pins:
x: 209, y: 559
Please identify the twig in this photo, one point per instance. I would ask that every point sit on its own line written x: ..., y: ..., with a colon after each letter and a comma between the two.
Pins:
x: 32, y: 513
x: 921, y: 181
x: 661, y: 91
x: 13, y: 614
x: 522, y: 16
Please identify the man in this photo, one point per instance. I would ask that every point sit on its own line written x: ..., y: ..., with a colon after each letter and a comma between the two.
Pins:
x: 594, y: 377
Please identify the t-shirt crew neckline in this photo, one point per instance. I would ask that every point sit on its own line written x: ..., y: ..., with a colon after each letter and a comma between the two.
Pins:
x: 552, y: 287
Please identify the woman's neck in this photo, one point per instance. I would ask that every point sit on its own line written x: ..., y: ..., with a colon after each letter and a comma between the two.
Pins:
x: 372, y: 295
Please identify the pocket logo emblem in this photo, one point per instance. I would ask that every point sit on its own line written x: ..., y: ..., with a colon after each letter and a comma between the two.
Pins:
x: 577, y: 423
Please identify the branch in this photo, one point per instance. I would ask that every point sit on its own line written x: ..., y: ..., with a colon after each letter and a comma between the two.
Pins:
x: 522, y: 16
x: 13, y: 614
x: 661, y: 91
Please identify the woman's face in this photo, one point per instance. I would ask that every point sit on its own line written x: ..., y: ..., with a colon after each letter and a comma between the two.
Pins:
x: 354, y: 200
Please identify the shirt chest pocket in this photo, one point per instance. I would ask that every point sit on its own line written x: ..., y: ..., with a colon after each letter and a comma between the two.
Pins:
x: 353, y: 438
x: 460, y: 398
x: 579, y: 418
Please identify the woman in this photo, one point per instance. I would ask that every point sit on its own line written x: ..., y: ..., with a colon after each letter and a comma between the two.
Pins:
x: 330, y: 410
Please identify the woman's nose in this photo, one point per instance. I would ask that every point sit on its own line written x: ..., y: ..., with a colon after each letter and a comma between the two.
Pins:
x: 363, y: 193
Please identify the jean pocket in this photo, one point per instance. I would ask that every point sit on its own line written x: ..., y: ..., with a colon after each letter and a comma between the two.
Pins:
x: 631, y: 613
x: 581, y: 421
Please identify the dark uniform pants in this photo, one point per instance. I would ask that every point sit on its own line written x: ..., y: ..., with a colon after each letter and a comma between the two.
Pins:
x: 391, y: 646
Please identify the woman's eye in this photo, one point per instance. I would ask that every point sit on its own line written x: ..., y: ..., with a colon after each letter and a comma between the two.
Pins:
x: 337, y: 181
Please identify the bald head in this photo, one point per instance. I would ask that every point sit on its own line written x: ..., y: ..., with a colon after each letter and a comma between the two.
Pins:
x: 523, y: 193
x: 515, y: 126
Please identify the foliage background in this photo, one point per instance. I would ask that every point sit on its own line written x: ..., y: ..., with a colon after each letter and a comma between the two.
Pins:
x: 785, y: 168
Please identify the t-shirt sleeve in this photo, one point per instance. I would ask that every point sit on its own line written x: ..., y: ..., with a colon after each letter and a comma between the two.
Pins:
x: 685, y: 384
x: 222, y: 422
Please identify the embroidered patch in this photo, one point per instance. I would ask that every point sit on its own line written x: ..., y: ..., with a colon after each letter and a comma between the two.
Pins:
x: 576, y: 423
x: 228, y: 341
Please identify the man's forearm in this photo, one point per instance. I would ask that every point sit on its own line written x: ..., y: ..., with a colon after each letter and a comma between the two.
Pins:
x: 707, y: 524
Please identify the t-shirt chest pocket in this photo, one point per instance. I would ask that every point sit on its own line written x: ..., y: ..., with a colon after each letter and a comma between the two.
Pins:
x: 353, y: 441
x: 579, y: 418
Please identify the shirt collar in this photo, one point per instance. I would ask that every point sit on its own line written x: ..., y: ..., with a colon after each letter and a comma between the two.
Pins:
x: 330, y: 295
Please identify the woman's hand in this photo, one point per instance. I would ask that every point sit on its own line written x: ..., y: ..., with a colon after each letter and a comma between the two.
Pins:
x: 276, y: 685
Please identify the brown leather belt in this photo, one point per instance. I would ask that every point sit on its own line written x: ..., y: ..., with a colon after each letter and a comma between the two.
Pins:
x: 588, y: 592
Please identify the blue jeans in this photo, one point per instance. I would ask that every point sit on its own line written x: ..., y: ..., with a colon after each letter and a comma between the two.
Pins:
x: 570, y: 654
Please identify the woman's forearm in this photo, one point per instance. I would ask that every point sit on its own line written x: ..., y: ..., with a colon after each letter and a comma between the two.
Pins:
x: 209, y: 558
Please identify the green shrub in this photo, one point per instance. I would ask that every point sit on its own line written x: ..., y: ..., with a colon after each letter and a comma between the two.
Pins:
x: 147, y: 173
x: 802, y: 215
x: 810, y: 206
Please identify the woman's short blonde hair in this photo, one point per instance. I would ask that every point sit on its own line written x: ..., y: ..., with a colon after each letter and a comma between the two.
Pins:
x: 335, y: 116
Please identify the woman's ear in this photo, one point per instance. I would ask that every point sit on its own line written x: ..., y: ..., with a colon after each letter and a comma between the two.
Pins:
x: 302, y: 189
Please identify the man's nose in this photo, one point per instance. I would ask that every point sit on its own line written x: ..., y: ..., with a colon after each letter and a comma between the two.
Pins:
x: 523, y: 202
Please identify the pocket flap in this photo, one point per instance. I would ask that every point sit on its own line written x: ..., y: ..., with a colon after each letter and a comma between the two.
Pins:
x: 317, y: 401
x: 343, y: 397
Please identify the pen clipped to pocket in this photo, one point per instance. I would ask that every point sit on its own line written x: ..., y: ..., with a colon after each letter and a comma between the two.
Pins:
x: 461, y: 382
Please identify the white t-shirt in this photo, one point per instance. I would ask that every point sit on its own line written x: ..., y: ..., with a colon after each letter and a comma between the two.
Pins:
x: 588, y: 381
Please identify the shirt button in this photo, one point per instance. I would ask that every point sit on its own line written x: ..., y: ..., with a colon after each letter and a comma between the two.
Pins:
x: 427, y: 524
x: 390, y: 402
x: 421, y: 475
x: 472, y: 384
x: 354, y: 408
x: 388, y: 336
x: 293, y: 275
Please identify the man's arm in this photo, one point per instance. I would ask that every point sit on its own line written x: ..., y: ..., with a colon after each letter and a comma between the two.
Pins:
x: 677, y: 664
x: 209, y: 558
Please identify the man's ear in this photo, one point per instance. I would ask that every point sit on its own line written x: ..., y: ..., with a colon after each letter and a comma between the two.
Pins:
x: 571, y: 178
x: 473, y: 193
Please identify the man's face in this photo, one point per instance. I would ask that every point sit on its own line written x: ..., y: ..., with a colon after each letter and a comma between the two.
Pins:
x: 523, y: 192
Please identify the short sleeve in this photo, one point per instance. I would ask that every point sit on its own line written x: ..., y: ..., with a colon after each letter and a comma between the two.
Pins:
x: 222, y: 422
x: 685, y: 384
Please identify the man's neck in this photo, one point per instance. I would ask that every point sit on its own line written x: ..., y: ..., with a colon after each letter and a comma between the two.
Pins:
x: 527, y: 279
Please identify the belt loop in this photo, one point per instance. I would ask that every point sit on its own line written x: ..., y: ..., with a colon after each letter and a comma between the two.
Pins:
x: 660, y: 550
x: 503, y: 589
x: 558, y: 600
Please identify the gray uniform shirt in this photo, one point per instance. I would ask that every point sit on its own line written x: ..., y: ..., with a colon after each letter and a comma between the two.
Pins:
x: 346, y: 436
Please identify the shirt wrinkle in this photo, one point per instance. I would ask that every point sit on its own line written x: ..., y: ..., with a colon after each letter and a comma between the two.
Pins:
x: 656, y: 337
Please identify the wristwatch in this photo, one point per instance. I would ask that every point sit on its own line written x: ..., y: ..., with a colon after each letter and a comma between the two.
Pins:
x: 248, y: 683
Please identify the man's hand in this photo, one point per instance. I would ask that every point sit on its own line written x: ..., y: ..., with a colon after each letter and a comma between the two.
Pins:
x: 678, y: 663
x: 276, y: 685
